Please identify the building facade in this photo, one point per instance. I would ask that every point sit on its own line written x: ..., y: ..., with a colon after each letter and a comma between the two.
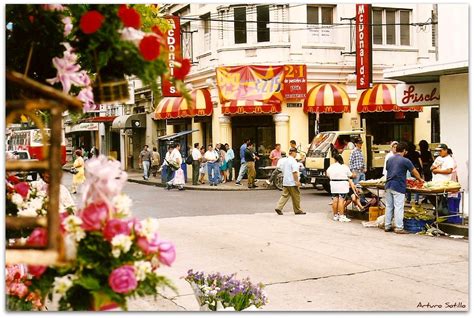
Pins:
x: 239, y: 50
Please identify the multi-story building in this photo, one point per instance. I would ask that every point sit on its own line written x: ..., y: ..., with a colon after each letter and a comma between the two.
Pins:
x: 235, y: 99
x: 450, y: 71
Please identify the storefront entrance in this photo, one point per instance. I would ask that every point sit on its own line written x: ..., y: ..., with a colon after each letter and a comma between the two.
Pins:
x: 389, y: 126
x: 261, y: 130
x: 327, y: 122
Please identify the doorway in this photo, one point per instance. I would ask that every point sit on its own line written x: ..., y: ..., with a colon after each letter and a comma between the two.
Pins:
x: 261, y: 131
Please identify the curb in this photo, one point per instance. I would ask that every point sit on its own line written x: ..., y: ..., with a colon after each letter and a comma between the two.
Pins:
x: 199, y: 188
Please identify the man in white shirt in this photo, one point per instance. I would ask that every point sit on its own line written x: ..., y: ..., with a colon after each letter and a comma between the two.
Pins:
x: 291, y: 184
x: 443, y: 165
x: 212, y: 157
x: 393, y: 150
x: 196, y: 154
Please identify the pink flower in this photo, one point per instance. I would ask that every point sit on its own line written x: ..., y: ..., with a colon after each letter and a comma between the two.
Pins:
x: 15, y: 272
x: 36, y: 270
x: 122, y: 280
x: 115, y: 227
x: 18, y: 289
x: 87, y: 97
x: 39, y: 237
x: 22, y: 188
x: 67, y: 25
x: 166, y: 253
x: 53, y: 7
x: 149, y: 246
x: 94, y: 216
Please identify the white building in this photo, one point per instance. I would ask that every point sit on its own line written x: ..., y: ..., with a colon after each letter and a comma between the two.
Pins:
x: 313, y: 35
x: 451, y: 71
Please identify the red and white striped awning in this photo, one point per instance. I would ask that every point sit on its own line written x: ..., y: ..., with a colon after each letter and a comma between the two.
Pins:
x: 327, y: 98
x: 236, y: 107
x: 381, y: 98
x: 179, y: 107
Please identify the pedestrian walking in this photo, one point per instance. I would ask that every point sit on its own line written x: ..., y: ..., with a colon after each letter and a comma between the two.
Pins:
x: 250, y: 158
x: 212, y: 157
x: 80, y: 176
x: 202, y: 165
x: 155, y: 161
x: 196, y: 154
x: 145, y: 162
x: 357, y: 163
x: 339, y: 175
x: 167, y: 173
x: 243, y: 163
x: 229, y: 157
x: 291, y: 183
x: 395, y: 188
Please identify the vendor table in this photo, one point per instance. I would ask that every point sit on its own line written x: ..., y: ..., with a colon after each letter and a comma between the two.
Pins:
x: 378, y: 189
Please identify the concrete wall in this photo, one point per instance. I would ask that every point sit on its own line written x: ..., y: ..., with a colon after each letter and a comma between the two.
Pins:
x: 454, y: 122
x: 453, y: 32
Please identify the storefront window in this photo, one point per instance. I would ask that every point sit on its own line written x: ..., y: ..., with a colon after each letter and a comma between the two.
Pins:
x: 389, y: 126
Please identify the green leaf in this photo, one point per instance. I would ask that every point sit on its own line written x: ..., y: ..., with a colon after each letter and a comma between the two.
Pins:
x: 88, y: 282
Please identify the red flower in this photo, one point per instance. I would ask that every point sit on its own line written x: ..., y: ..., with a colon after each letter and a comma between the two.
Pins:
x: 150, y: 47
x: 115, y: 227
x: 130, y: 17
x: 31, y: 18
x: 94, y: 216
x: 36, y: 270
x: 91, y: 21
x: 181, y: 72
x: 39, y: 237
x: 13, y: 179
x: 22, y: 188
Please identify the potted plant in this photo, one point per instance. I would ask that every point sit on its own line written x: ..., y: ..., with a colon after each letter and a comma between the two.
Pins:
x: 216, y: 292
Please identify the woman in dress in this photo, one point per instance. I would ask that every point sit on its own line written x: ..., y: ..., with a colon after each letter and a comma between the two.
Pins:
x: 223, y: 160
x: 203, y: 165
x: 80, y: 176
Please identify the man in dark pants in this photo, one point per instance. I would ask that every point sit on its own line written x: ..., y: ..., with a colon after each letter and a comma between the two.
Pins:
x: 250, y: 158
x: 196, y: 154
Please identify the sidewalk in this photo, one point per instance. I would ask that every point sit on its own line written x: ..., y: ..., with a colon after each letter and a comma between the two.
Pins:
x: 137, y: 177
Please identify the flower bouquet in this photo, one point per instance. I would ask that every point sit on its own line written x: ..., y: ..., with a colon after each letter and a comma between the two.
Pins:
x: 224, y: 292
x: 117, y: 256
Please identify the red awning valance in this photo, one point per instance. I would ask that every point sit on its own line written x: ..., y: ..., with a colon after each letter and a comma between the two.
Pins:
x: 327, y: 98
x: 250, y: 107
x: 178, y: 107
x: 381, y: 98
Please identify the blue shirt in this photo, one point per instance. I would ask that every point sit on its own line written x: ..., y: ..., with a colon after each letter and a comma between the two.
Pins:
x: 242, y: 152
x: 397, y: 168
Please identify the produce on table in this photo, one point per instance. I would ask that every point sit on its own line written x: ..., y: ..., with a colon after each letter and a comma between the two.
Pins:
x: 418, y: 212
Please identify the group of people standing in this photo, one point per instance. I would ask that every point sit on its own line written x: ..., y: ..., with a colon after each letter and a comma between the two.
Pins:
x: 217, y: 161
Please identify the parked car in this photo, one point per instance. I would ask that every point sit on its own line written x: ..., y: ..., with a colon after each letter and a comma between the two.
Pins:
x: 24, y: 155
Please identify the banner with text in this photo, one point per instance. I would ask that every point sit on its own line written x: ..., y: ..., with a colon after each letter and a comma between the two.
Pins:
x: 173, y: 43
x: 363, y: 46
x: 295, y: 83
x: 251, y: 82
x: 417, y: 94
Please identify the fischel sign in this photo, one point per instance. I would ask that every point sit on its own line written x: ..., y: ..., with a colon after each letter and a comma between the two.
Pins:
x: 363, y: 46
x: 417, y: 94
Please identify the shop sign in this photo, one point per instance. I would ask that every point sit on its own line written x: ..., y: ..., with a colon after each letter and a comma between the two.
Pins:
x: 294, y: 105
x: 251, y: 83
x: 363, y: 46
x: 417, y: 94
x: 173, y: 43
x: 295, y: 83
x: 85, y: 127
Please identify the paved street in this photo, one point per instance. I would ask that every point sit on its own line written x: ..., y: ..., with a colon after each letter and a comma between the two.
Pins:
x: 307, y: 262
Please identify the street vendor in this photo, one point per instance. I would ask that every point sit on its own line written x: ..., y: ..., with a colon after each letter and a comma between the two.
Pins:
x: 443, y: 165
x: 395, y: 188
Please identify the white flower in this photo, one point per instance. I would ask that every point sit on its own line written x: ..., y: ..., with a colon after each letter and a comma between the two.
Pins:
x: 27, y: 212
x: 121, y: 243
x: 149, y: 227
x: 141, y: 269
x: 62, y: 284
x: 72, y: 225
x: 132, y: 35
x: 17, y: 199
x: 122, y: 204
x: 36, y: 203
